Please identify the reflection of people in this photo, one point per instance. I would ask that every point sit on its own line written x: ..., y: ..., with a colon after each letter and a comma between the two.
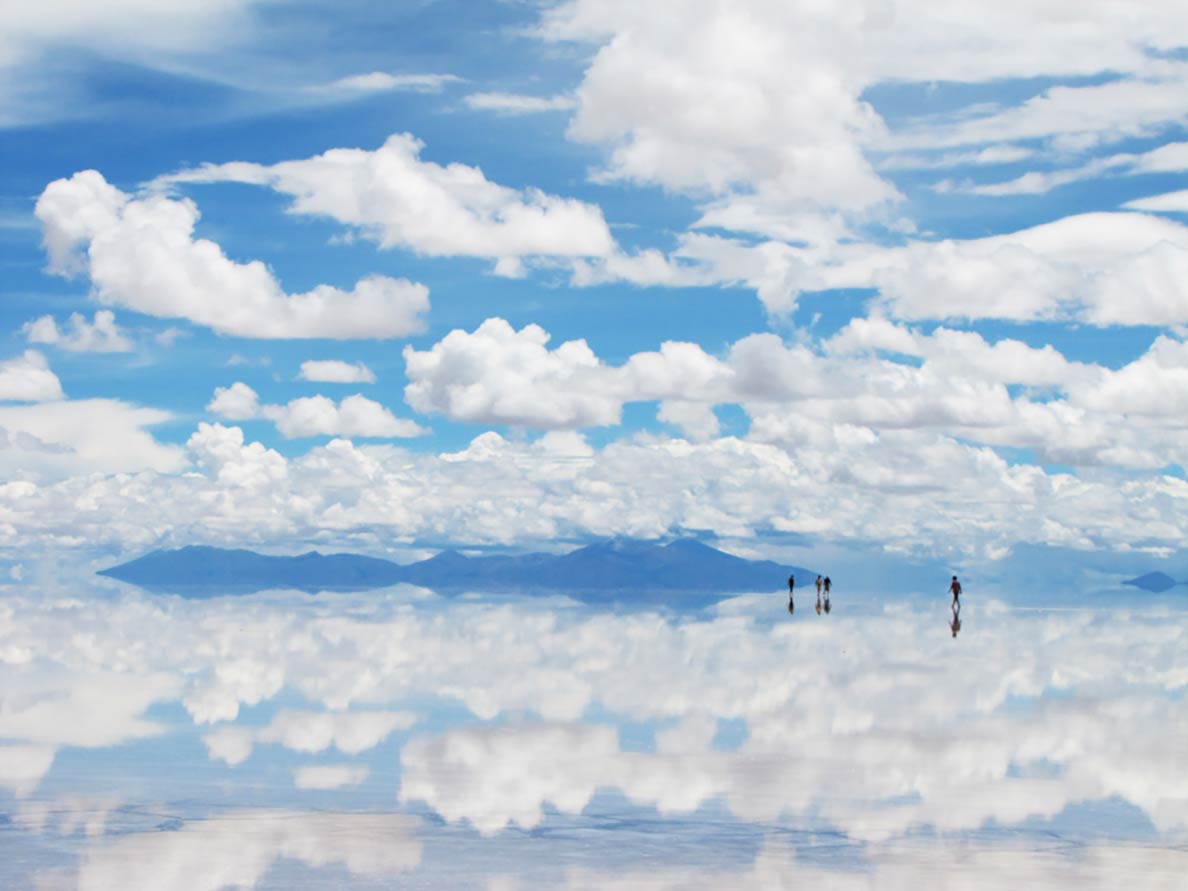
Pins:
x: 827, y: 606
x: 955, y: 588
x: 955, y: 625
x: 818, y: 601
x: 791, y: 606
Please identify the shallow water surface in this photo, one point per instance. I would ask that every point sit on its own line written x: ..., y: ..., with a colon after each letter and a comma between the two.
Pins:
x: 397, y: 738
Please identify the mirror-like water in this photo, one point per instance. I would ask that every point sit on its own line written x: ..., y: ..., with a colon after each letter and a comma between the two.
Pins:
x: 396, y: 737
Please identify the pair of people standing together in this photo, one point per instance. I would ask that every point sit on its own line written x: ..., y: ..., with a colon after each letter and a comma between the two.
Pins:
x: 822, y: 583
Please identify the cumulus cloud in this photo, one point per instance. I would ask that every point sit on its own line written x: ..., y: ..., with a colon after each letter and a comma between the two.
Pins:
x: 394, y: 197
x: 28, y: 378
x: 503, y: 375
x: 52, y: 440
x: 879, y: 411
x: 140, y: 253
x: 336, y: 372
x: 100, y: 335
x: 313, y: 415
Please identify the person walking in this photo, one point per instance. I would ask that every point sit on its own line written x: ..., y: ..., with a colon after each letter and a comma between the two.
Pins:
x: 791, y: 587
x: 827, y: 585
x: 818, y: 587
x: 955, y: 590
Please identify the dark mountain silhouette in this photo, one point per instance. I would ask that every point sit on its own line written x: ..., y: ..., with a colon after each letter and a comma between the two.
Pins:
x: 611, y: 567
x: 1155, y: 582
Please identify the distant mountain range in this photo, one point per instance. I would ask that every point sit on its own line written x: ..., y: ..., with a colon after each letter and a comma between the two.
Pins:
x: 608, y: 568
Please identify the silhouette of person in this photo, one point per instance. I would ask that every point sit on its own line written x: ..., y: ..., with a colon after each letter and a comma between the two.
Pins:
x: 827, y: 606
x: 955, y: 625
x: 818, y: 602
x: 955, y: 589
x: 818, y: 587
x: 791, y: 606
x: 791, y: 586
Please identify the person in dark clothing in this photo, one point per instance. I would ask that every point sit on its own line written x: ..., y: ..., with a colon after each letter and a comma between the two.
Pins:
x: 791, y: 586
x: 955, y: 590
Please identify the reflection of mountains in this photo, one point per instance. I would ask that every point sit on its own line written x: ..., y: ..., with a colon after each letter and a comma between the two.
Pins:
x: 1155, y: 582
x: 607, y: 567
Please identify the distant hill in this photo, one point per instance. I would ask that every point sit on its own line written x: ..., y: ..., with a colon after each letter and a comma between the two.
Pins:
x: 1155, y: 582
x: 608, y: 567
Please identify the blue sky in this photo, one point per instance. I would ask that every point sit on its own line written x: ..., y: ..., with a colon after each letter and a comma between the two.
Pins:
x: 868, y: 276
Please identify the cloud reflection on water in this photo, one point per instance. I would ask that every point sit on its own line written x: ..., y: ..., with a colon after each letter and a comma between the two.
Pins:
x: 875, y: 723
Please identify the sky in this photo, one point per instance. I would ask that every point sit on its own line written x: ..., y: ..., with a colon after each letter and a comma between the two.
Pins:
x: 858, y: 279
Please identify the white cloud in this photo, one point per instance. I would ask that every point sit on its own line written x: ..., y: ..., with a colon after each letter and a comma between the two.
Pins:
x: 1099, y: 113
x: 1100, y: 268
x: 313, y: 415
x: 1169, y: 158
x: 1168, y: 202
x: 28, y: 378
x: 382, y: 81
x: 336, y: 372
x: 517, y: 103
x: 330, y: 776
x: 140, y: 253
x: 77, y: 437
x: 498, y: 374
x: 237, y: 402
x: 100, y: 335
x: 883, y: 412
x: 400, y: 200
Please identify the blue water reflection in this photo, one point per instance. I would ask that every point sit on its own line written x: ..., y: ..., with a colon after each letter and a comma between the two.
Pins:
x: 284, y: 739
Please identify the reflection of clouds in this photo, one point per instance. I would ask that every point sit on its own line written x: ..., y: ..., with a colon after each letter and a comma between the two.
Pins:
x: 875, y: 723
x: 68, y: 815
x: 960, y: 867
x: 236, y: 850
x: 91, y: 710
x: 22, y: 767
x: 306, y: 731
x: 329, y: 776
x: 493, y: 776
